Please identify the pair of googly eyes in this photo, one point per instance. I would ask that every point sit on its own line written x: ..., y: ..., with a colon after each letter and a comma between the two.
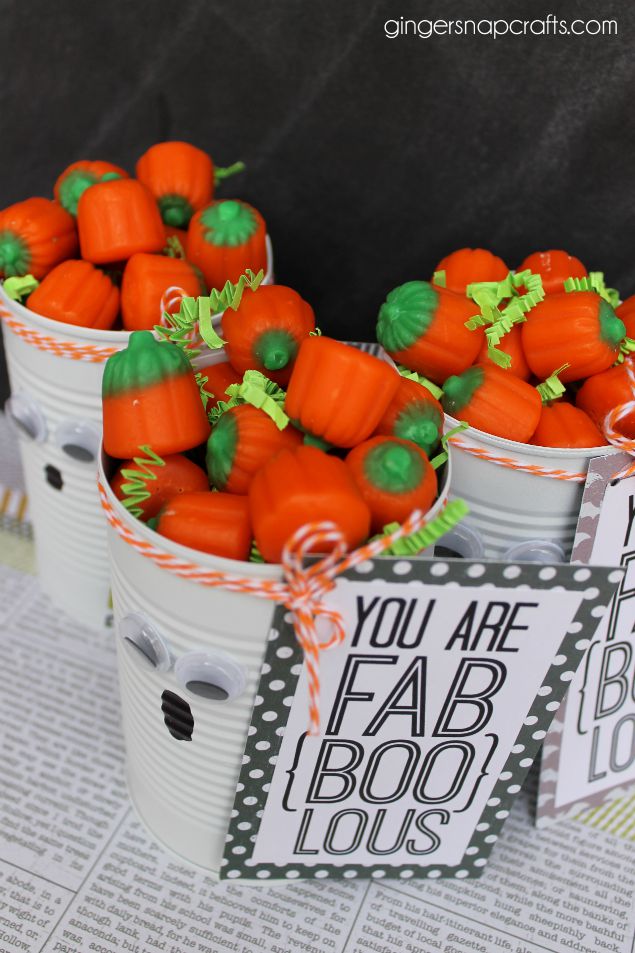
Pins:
x: 212, y: 675
x: 78, y: 439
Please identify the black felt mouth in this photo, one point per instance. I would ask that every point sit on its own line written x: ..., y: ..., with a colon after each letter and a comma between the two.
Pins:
x: 177, y: 715
x: 53, y: 477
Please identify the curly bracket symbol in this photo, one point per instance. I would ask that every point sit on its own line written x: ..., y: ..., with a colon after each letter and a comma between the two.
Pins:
x: 483, y: 774
x: 291, y: 772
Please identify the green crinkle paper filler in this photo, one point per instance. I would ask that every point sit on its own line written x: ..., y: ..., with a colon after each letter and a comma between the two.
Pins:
x: 626, y: 349
x: 442, y: 457
x: 20, y: 286
x: 255, y: 556
x: 420, y: 379
x: 136, y: 486
x: 552, y: 387
x: 225, y: 172
x: 488, y: 295
x: 594, y: 282
x: 260, y: 392
x: 429, y: 534
x: 439, y: 278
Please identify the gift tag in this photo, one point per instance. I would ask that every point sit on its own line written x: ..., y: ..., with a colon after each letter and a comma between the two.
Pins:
x: 432, y: 711
x: 589, y: 753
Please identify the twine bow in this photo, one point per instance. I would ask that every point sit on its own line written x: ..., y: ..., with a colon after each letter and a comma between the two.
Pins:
x: 612, y: 419
x: 304, y: 587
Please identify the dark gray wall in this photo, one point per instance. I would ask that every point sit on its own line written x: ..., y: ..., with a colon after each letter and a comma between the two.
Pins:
x: 370, y: 158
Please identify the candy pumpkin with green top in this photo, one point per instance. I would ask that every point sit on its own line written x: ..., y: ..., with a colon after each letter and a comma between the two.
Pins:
x: 394, y: 477
x: 150, y: 396
x: 146, y: 279
x: 116, y: 219
x: 181, y: 178
x: 423, y: 327
x: 413, y: 414
x: 35, y: 236
x: 265, y: 331
x: 79, y: 176
x: 300, y: 486
x: 465, y: 266
x: 337, y: 392
x: 76, y: 292
x: 175, y: 476
x: 226, y: 238
x: 580, y: 329
x: 492, y: 400
x: 563, y: 425
x: 216, y: 523
x: 242, y: 440
x: 554, y: 267
x: 602, y: 392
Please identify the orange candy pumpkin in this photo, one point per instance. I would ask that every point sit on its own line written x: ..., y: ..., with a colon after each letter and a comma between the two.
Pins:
x: 394, y: 477
x: 580, y: 329
x: 494, y: 401
x: 266, y: 330
x: 226, y: 238
x: 337, y: 392
x: 35, y: 236
x: 116, y: 219
x: 602, y: 392
x: 465, y: 266
x: 181, y: 178
x: 216, y: 523
x: 79, y: 176
x: 242, y: 440
x: 76, y: 292
x: 423, y: 327
x: 512, y: 344
x: 413, y: 414
x: 554, y: 267
x: 178, y: 475
x: 300, y: 486
x: 150, y: 397
x: 152, y: 284
x: 563, y: 425
x: 220, y: 376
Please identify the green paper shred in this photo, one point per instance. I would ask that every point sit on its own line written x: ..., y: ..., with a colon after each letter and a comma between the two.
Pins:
x: 442, y: 456
x: 136, y: 486
x: 498, y: 357
x: 552, y: 387
x: 255, y: 556
x: 224, y: 172
x: 20, y: 287
x: 316, y: 333
x: 439, y: 279
x: 413, y: 376
x: 626, y: 347
x: 433, y: 531
x: 205, y: 327
x: 260, y: 392
x: 594, y: 282
x: 489, y: 295
x: 174, y: 248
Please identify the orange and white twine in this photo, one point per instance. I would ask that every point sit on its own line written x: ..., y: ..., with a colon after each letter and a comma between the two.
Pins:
x: 93, y: 353
x: 509, y: 462
x: 612, y: 419
x: 302, y: 591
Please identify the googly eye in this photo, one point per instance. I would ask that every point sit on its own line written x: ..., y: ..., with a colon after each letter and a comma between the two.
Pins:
x: 26, y: 417
x: 78, y: 439
x: 141, y: 637
x: 213, y: 675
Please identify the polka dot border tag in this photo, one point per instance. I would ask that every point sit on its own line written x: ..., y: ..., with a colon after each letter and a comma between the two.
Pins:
x: 279, y: 677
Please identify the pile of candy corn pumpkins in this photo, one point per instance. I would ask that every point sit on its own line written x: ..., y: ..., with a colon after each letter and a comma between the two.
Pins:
x: 536, y: 356
x: 285, y: 426
x: 106, y: 249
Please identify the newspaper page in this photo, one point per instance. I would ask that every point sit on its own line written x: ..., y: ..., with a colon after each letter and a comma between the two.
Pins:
x: 79, y: 871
